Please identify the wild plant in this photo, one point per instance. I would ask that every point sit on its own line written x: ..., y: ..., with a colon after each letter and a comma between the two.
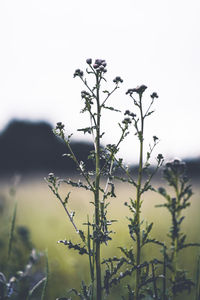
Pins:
x: 22, y: 285
x: 150, y: 279
x: 18, y: 280
x: 175, y: 278
x: 98, y: 230
x: 140, y: 180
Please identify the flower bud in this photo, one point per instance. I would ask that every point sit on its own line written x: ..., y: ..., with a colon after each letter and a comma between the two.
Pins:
x: 89, y: 61
x: 78, y: 72
x: 154, y: 95
x: 140, y: 89
x: 117, y: 79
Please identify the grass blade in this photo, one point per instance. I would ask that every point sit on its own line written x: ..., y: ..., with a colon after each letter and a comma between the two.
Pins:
x: 35, y: 287
x: 11, y: 235
x: 47, y: 276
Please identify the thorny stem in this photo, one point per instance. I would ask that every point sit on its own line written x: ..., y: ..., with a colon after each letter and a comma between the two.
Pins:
x: 138, y: 202
x: 108, y: 181
x: 154, y: 282
x: 97, y: 185
x: 164, y: 273
x: 90, y: 259
x: 175, y: 240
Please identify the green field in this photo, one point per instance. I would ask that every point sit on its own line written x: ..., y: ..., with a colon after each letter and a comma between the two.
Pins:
x: 39, y: 210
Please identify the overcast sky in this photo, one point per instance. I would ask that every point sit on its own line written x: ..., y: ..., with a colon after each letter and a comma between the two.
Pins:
x: 151, y: 42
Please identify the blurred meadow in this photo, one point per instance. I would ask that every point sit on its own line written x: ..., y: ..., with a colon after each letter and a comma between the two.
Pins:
x: 42, y: 214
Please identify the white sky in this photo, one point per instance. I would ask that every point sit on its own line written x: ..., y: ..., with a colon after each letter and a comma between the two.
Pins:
x: 151, y: 42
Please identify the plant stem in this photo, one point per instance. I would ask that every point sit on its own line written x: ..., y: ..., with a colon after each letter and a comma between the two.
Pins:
x: 154, y: 282
x: 176, y: 215
x: 90, y: 258
x: 138, y: 202
x: 11, y: 235
x: 97, y: 185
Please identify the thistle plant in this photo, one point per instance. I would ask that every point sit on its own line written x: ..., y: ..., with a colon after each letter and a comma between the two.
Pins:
x: 135, y: 222
x: 95, y: 102
x: 142, y: 183
x: 150, y: 279
x: 175, y: 175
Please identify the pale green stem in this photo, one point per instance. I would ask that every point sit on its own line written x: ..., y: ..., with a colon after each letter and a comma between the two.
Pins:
x: 97, y: 185
x: 138, y: 203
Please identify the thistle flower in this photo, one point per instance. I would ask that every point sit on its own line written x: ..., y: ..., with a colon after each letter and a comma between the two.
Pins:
x: 139, y: 90
x: 85, y: 94
x: 127, y: 112
x: 60, y: 126
x: 155, y: 138
x: 126, y: 121
x: 78, y: 72
x: 175, y: 166
x: 100, y: 65
x: 99, y: 61
x: 95, y: 66
x: 117, y: 79
x: 154, y: 95
x: 51, y: 175
x: 160, y: 158
x: 129, y: 92
x: 89, y: 61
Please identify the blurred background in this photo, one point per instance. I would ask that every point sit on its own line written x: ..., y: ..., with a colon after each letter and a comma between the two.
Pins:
x: 155, y: 43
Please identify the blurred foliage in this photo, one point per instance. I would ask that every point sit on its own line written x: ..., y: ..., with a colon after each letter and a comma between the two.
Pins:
x: 45, y: 219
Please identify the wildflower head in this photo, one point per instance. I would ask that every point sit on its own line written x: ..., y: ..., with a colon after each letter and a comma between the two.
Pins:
x: 126, y: 121
x: 176, y: 167
x: 78, y: 73
x: 139, y: 90
x: 160, y: 159
x: 155, y: 138
x: 85, y: 94
x: 154, y: 95
x: 51, y: 178
x: 60, y: 126
x: 130, y: 114
x: 100, y: 65
x: 117, y: 79
x: 89, y: 61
